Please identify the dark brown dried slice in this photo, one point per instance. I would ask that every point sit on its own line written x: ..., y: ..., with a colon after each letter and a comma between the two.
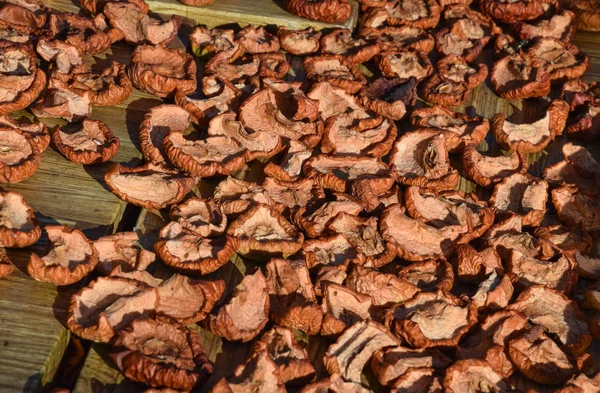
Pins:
x: 431, y: 320
x: 25, y: 15
x: 69, y: 258
x: 262, y: 232
x: 507, y: 235
x: 473, y: 376
x: 576, y: 208
x: 539, y: 358
x: 160, y: 354
x: 223, y: 98
x: 459, y: 128
x: 259, y: 375
x: 420, y: 158
x: 336, y: 70
x: 121, y: 250
x: 206, y: 42
x: 18, y: 225
x: 455, y: 69
x: 440, y: 92
x: 107, y: 305
x: 566, y: 238
x: 299, y: 42
x: 560, y: 59
x: 204, y: 157
x: 557, y: 314
x: 138, y: 27
x: 109, y: 88
x: 290, y: 167
x: 21, y: 81
x: 6, y: 266
x: 62, y: 101
x: 290, y: 357
x: 404, y: 64
x: 493, y: 293
x: 132, y: 184
x: 472, y: 265
x: 519, y: 76
x: 38, y: 131
x: 429, y: 276
x: 201, y: 217
x: 89, y: 36
x: 97, y: 6
x: 335, y: 251
x: 313, y: 220
x: 157, y: 124
x: 19, y: 155
x: 520, y: 194
x: 89, y: 142
x: 161, y: 71
x: 343, y: 307
x: 246, y: 313
x: 354, y: 348
x: 581, y: 158
x: 487, y: 170
x: 398, y: 38
x: 355, y: 50
x: 450, y: 208
x: 559, y: 273
x: 517, y: 133
x: 584, y: 121
x: 235, y: 196
x: 189, y: 253
x: 424, y: 14
x: 329, y: 11
x: 581, y: 384
x: 388, y: 365
x: 466, y: 37
x: 273, y: 65
x: 294, y: 195
x: 559, y: 26
x: 419, y: 380
x: 242, y: 69
x: 513, y: 11
x: 588, y: 17
x: 384, y: 289
x: 390, y: 98
x: 332, y: 99
x: 257, y: 40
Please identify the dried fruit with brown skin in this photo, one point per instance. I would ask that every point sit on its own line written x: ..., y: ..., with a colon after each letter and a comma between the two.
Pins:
x: 450, y: 208
x: 61, y: 101
x: 132, y: 184
x: 161, y: 71
x: 294, y: 195
x: 354, y: 348
x: 577, y: 208
x: 566, y: 238
x: 337, y: 172
x: 70, y: 257
x: 257, y: 40
x: 455, y: 69
x: 206, y: 42
x: 235, y: 196
x: 493, y: 293
x: 89, y: 36
x: 290, y: 357
x: 21, y: 81
x: 427, y: 165
x: 405, y: 64
x: 564, y: 173
x: 419, y: 380
x: 273, y: 65
x: 472, y: 266
x: 313, y: 220
x: 447, y: 93
x: 431, y: 320
x: 109, y: 88
x: 90, y: 142
x: 561, y: 60
x: 107, y: 305
x: 557, y: 314
x: 429, y: 276
x: 489, y: 341
x: 332, y: 99
x: 588, y: 16
x: 121, y: 250
x: 260, y: 374
x: 262, y: 233
x: 335, y: 251
x: 559, y: 26
x: 589, y: 265
x: 524, y: 195
x: 368, y: 189
x: 326, y: 275
x: 343, y: 307
x: 25, y: 15
x: 519, y: 76
x: 18, y: 225
x: 160, y: 354
x: 589, y: 297
x: 388, y: 365
x: 472, y: 376
x: 329, y: 11
x: 336, y: 70
x: 242, y: 69
x: 15, y: 35
x: 355, y: 50
x: 389, y: 98
x: 487, y: 170
x: 204, y: 109
x: 513, y: 11
x: 201, y: 217
x: 290, y: 167
x: 539, y: 358
x: 508, y: 234
x: 299, y: 42
x: 581, y: 384
x: 65, y: 58
x: 398, y: 38
x: 190, y: 253
x: 384, y: 289
x: 138, y: 27
x: 157, y: 124
x: 584, y: 120
x: 335, y: 384
x: 246, y: 313
x: 466, y: 37
x: 424, y: 14
x: 19, y: 155
x: 6, y: 266
x: 292, y: 296
x: 97, y: 6
x: 516, y: 133
x: 582, y: 159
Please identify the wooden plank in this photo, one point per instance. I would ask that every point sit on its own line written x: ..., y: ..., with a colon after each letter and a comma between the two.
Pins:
x: 258, y: 12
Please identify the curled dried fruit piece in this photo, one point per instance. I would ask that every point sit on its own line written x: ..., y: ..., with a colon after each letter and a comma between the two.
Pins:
x: 514, y: 11
x: 424, y: 14
x: 6, y: 266
x: 70, y: 257
x: 260, y: 374
x: 18, y: 225
x: 196, y: 3
x: 19, y: 155
x: 508, y: 234
x: 560, y: 59
x: 472, y: 376
x: 299, y: 42
x: 487, y: 171
x: 66, y: 58
x: 333, y: 251
x: 329, y: 11
x: 455, y: 69
x: 384, y: 289
x: 223, y: 97
x: 206, y: 42
x: 137, y: 26
x: 355, y: 50
x: 97, y: 6
x: 398, y: 38
x: 566, y: 238
x: 294, y: 195
x: 581, y: 384
x: 21, y: 81
x: 111, y: 87
x: 263, y: 232
x: 558, y: 273
x: 471, y: 265
x: 161, y: 71
x: 518, y: 76
x: 404, y: 64
x: 388, y: 365
x: 429, y: 276
x: 246, y: 313
x: 161, y: 354
x: 89, y: 36
x: 559, y: 26
x: 441, y: 92
x: 200, y: 216
x: 62, y: 101
x: 493, y: 293
x: 431, y: 320
x: 121, y: 250
x: 588, y: 16
x: 132, y: 184
x: 576, y: 208
x: 257, y: 40
x: 38, y: 131
x: 273, y: 65
x: 332, y: 99
x: 157, y: 124
x: 466, y: 37
x: 420, y: 158
x: 343, y: 307
x: 24, y: 15
x: 189, y: 253
x: 524, y: 195
x: 235, y: 196
x: 336, y: 70
x: 389, y: 97
x: 89, y: 142
x: 313, y: 220
x: 290, y: 166
x: 522, y: 135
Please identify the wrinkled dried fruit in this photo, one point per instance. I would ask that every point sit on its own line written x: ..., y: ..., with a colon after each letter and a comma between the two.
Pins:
x: 121, y: 250
x: 513, y: 11
x: 138, y: 27
x: 355, y: 50
x: 299, y: 42
x: 257, y: 40
x: 487, y: 170
x: 330, y: 11
x: 472, y: 266
x: 385, y: 289
x: 25, y: 15
x: 19, y: 155
x: 157, y: 124
x: 201, y: 217
x: 559, y: 26
x: 561, y: 60
x: 36, y: 130
x: 62, y: 101
x: 89, y: 36
x: 524, y: 195
x: 389, y: 97
x: 313, y: 220
x: 89, y: 142
x: 473, y: 376
x: 405, y: 64
x: 18, y: 225
x: 576, y: 208
x: 519, y: 76
x: 560, y: 273
x: 109, y: 88
x: 260, y: 374
x: 588, y: 16
x: 336, y: 70
x: 393, y: 363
